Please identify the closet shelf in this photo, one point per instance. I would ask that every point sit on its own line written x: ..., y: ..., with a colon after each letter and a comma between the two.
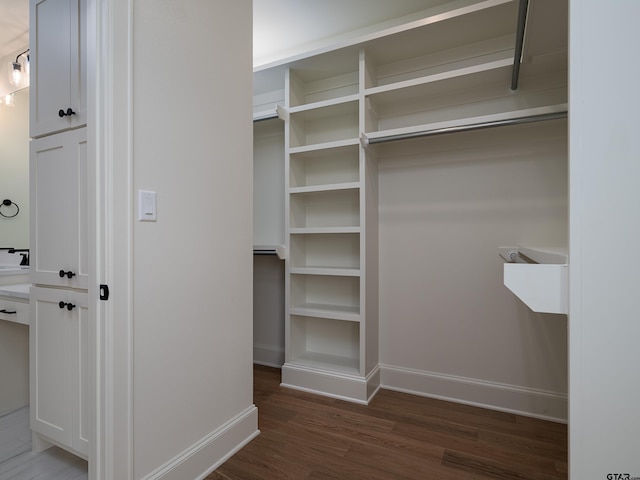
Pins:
x: 324, y: 145
x: 325, y: 188
x: 265, y: 115
x: 495, y: 62
x: 331, y: 107
x: 330, y: 271
x: 332, y: 312
x: 311, y: 230
x: 279, y: 250
x: 331, y: 363
x: 271, y: 114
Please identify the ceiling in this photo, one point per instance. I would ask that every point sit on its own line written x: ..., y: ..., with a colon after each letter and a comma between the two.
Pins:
x: 306, y: 21
x: 281, y: 27
x: 14, y: 26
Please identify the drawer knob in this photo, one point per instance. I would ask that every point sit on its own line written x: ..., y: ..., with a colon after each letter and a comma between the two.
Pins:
x: 4, y: 310
x: 70, y: 306
x: 68, y: 274
x: 68, y: 113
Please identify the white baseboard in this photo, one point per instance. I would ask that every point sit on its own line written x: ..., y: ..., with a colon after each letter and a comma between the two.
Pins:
x: 331, y: 384
x: 268, y: 355
x: 203, y: 457
x: 492, y: 395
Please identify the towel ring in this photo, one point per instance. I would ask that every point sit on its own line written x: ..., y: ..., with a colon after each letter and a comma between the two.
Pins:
x: 7, y: 203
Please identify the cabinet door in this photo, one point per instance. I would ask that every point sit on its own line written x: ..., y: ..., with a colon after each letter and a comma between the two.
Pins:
x: 58, y: 69
x: 58, y: 340
x: 58, y: 181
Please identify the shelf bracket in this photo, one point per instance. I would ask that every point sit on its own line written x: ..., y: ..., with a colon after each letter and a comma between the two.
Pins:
x: 282, y: 113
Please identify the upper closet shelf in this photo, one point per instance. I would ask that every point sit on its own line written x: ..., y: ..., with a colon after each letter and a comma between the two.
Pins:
x: 270, y: 114
x: 462, y: 68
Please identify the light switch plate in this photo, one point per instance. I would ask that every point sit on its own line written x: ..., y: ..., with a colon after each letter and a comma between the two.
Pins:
x: 147, y: 206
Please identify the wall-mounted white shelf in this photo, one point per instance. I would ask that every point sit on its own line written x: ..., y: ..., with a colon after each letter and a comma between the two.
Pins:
x: 543, y: 285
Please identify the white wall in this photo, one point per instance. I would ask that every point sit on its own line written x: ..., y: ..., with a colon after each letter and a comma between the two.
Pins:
x: 192, y: 269
x: 604, y: 317
x: 14, y: 169
x: 448, y: 325
x: 268, y: 229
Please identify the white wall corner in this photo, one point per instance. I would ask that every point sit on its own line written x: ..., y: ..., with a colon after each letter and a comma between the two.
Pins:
x: 514, y: 399
x: 268, y: 355
x: 204, y: 456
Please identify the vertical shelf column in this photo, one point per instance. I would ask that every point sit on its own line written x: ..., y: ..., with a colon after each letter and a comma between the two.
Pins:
x: 369, y: 237
x: 326, y: 224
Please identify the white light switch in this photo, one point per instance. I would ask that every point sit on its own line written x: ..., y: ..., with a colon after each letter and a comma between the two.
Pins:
x: 146, y: 206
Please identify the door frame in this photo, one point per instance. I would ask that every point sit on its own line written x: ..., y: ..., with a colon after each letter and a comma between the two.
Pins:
x: 109, y: 113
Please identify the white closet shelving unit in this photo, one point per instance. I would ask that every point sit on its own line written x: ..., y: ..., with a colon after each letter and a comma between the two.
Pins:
x: 327, y: 227
x: 450, y: 69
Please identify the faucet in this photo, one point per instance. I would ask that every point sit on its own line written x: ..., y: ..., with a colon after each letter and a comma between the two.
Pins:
x: 25, y: 256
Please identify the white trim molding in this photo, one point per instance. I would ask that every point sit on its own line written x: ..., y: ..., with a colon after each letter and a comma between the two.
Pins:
x: 204, y: 456
x: 351, y: 388
x: 268, y: 355
x: 109, y: 104
x: 503, y: 397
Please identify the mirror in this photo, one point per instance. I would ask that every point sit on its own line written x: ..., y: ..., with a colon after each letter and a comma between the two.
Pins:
x: 14, y: 175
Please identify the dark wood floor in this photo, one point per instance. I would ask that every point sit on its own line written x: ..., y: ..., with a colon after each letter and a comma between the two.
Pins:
x: 398, y: 436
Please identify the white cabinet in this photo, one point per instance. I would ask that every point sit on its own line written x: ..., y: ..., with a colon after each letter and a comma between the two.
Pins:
x: 58, y: 67
x: 58, y: 333
x: 59, y: 210
x: 59, y: 367
x: 58, y: 185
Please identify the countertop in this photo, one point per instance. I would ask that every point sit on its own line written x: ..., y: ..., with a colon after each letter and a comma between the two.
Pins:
x: 20, y: 290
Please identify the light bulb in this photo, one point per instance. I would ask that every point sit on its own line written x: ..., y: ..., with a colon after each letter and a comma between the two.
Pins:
x: 8, y: 100
x: 16, y: 78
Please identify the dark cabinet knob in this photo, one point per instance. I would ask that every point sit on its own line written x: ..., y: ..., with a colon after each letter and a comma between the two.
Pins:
x: 68, y: 113
x: 70, y: 306
x: 68, y: 274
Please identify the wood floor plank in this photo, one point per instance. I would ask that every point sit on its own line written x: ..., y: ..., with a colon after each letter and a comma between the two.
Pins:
x: 397, y: 437
x: 494, y: 469
x: 519, y: 443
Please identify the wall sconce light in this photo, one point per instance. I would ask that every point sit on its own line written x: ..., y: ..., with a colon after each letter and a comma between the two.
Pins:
x: 19, y: 71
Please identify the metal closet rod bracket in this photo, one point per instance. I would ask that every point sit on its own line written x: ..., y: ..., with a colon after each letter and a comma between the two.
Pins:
x: 517, y: 56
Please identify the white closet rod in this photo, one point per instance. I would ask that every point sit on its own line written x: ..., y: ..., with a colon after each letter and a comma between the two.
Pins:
x: 472, y: 126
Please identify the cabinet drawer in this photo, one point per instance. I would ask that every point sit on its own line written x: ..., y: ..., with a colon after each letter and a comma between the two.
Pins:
x: 14, y: 311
